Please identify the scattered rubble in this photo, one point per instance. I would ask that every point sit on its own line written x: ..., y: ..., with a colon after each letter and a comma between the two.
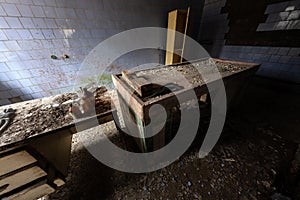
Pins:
x: 231, y: 171
x: 42, y: 115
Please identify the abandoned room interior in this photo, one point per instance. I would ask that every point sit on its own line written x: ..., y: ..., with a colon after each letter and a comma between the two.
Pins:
x: 150, y: 99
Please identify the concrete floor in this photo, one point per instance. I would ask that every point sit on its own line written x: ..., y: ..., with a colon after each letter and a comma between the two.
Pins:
x: 266, y: 105
x: 273, y: 103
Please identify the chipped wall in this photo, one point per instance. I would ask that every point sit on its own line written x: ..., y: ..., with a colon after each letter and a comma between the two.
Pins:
x: 276, y: 46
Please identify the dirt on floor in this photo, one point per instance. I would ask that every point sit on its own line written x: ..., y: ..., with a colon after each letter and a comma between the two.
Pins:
x: 257, y: 157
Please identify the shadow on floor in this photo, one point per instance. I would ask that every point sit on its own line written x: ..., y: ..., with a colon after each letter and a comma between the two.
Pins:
x: 89, y: 179
x: 266, y: 104
x: 273, y: 104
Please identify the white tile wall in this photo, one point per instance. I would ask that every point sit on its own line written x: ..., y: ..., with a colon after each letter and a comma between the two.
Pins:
x: 25, y: 10
x: 32, y: 30
x: 11, y: 9
x: 3, y: 23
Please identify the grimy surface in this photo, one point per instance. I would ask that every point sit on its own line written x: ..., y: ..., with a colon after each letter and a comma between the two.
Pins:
x: 39, y: 116
x: 183, y: 76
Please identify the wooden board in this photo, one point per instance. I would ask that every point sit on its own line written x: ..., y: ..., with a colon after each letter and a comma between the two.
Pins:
x: 172, y: 18
x: 58, y: 182
x: 148, y: 84
x: 176, y: 22
x: 32, y: 193
x: 15, y: 161
x: 20, y: 179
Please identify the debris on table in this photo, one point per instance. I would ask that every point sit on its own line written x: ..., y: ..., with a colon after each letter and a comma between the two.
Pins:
x: 41, y: 115
x: 5, y: 118
x: 148, y: 83
x: 84, y: 106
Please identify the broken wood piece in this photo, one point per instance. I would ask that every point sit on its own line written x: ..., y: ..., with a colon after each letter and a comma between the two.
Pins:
x: 58, y: 182
x: 140, y: 84
x: 229, y: 160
